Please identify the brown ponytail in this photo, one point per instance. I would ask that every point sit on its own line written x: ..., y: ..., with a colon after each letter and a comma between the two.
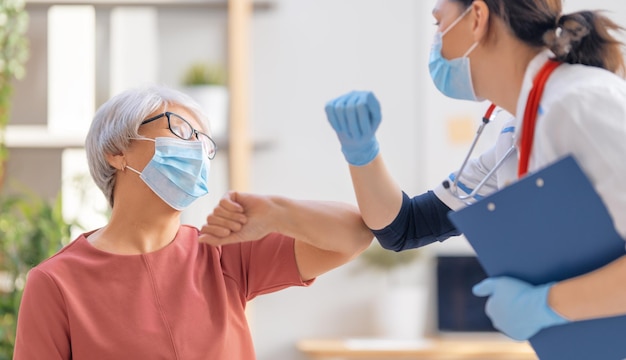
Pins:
x: 584, y: 38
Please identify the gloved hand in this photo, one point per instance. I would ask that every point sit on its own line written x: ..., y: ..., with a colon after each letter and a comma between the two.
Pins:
x: 517, y: 308
x: 355, y: 118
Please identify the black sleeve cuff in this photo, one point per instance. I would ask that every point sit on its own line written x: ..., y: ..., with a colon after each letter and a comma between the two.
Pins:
x: 421, y: 220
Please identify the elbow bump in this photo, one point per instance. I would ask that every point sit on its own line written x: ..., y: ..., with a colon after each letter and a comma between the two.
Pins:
x: 363, y: 242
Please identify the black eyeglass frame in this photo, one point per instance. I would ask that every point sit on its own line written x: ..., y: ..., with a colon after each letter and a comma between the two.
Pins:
x: 167, y: 114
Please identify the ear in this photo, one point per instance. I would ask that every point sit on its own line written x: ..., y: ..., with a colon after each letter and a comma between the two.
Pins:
x: 117, y: 161
x: 480, y: 27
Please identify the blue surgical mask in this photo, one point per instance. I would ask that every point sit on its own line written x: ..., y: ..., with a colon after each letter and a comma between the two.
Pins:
x: 178, y: 172
x: 452, y: 77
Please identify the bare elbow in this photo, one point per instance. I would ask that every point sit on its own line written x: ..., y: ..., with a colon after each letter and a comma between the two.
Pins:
x: 355, y: 237
x: 362, y: 239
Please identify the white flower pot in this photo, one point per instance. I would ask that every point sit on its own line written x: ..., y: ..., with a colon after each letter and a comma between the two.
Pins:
x: 213, y: 99
x: 400, y: 312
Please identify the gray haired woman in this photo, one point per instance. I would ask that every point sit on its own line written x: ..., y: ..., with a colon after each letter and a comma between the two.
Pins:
x: 146, y: 287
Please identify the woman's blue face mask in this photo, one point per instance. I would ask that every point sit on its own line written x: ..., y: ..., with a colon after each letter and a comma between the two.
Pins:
x: 178, y: 172
x: 453, y: 77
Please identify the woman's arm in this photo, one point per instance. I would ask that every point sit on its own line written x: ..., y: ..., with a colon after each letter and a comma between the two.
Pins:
x: 399, y: 222
x: 520, y: 309
x: 355, y: 117
x: 378, y: 195
x: 600, y: 293
x: 596, y: 139
x: 328, y: 234
x: 42, y: 326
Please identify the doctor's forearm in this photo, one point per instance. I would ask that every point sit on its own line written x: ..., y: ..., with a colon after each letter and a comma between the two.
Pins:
x: 600, y: 293
x: 378, y: 195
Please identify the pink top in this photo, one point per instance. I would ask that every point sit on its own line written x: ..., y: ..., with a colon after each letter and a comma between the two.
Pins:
x: 185, y: 301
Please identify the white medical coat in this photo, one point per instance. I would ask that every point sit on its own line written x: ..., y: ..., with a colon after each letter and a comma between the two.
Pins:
x: 582, y: 113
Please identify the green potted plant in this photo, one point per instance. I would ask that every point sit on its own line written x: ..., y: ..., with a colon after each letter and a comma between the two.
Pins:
x: 380, y: 259
x: 204, y: 73
x: 13, y: 56
x: 31, y: 230
x: 206, y: 83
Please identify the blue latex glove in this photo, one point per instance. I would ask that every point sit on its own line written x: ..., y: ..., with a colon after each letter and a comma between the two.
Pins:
x: 517, y: 308
x: 355, y: 118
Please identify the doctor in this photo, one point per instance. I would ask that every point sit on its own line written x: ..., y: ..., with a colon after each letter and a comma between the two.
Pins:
x: 559, y: 74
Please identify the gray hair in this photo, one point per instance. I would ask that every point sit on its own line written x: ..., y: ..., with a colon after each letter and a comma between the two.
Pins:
x: 117, y: 121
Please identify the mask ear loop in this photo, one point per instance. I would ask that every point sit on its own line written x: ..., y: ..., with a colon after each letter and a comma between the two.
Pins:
x: 469, y: 51
x: 456, y: 21
x: 131, y: 169
x: 144, y: 139
x: 124, y: 167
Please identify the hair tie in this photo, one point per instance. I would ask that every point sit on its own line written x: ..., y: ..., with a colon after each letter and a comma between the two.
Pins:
x: 576, y: 27
x: 557, y: 23
x: 569, y: 31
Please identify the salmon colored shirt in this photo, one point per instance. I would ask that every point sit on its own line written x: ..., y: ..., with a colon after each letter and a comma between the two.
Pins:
x: 185, y: 301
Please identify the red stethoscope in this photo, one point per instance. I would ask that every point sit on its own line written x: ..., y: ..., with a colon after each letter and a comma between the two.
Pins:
x: 526, y: 142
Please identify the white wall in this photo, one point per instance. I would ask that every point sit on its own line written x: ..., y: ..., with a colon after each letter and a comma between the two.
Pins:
x: 305, y: 53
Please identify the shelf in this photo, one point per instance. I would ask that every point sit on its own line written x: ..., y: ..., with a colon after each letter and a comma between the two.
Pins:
x: 214, y: 4
x: 39, y: 137
x: 223, y: 144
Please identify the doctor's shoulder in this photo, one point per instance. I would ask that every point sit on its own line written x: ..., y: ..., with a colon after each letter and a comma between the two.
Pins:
x: 584, y: 92
x: 582, y: 79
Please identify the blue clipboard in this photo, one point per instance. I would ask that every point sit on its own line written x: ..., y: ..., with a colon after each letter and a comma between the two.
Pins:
x: 550, y: 226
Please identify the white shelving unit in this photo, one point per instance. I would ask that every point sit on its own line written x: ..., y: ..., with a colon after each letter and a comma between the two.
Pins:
x: 214, y: 4
x: 40, y: 137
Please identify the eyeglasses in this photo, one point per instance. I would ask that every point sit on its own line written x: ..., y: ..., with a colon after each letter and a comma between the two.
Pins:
x: 183, y: 129
x: 454, y: 187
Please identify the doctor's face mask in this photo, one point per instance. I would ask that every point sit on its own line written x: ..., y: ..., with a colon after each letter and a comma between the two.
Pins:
x: 178, y: 172
x: 453, y: 77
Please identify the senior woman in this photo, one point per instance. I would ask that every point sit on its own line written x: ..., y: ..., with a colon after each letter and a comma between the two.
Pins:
x: 146, y: 287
